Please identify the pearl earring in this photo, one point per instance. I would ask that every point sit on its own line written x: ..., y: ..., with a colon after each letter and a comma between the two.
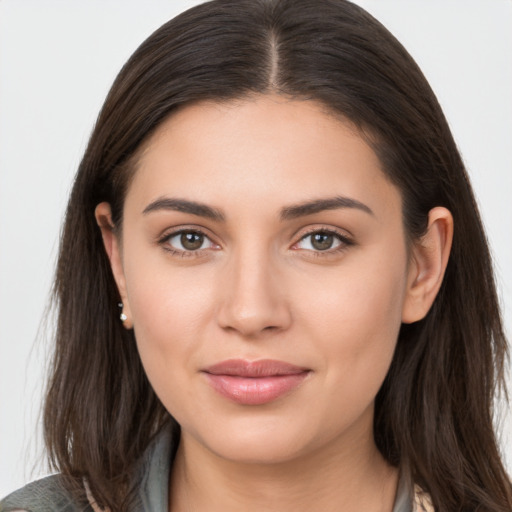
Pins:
x: 122, y: 316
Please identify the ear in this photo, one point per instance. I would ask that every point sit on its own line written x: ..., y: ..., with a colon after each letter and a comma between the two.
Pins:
x: 103, y: 216
x: 428, y: 264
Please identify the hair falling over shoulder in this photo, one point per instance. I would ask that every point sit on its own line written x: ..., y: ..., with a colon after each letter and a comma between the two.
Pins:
x: 434, y: 413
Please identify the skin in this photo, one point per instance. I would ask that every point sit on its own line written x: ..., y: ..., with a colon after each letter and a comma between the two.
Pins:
x: 259, y: 289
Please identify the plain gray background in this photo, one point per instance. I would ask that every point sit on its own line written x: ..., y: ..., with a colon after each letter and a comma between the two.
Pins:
x: 57, y: 61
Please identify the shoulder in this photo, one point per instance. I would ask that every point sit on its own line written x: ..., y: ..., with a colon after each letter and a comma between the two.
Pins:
x: 46, y: 495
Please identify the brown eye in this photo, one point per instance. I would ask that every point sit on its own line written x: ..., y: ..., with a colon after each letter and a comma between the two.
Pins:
x: 191, y: 241
x: 322, y: 241
x: 188, y: 241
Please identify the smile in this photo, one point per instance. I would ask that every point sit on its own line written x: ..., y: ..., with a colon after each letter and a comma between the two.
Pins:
x: 254, y: 383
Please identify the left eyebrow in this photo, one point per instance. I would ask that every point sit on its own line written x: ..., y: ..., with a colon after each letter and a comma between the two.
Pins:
x: 319, y: 205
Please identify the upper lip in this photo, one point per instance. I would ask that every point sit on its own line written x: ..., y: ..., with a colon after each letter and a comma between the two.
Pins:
x: 260, y: 368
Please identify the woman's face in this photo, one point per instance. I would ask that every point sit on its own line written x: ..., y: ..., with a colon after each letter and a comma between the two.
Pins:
x: 264, y: 267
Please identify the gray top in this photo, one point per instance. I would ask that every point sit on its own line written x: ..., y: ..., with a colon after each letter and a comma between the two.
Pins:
x: 49, y: 494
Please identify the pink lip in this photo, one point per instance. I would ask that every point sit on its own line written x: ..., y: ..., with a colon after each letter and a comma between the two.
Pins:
x: 254, y: 382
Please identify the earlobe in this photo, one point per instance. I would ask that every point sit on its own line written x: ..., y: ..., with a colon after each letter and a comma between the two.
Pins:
x: 428, y: 264
x: 103, y: 216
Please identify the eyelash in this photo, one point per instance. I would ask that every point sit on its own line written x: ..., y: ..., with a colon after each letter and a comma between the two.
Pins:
x: 344, y: 242
x: 164, y: 242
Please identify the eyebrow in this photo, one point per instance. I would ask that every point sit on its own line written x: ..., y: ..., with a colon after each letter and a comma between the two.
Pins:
x: 182, y: 205
x: 287, y: 213
x: 320, y: 205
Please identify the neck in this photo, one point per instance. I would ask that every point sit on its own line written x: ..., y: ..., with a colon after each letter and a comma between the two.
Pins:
x: 347, y: 478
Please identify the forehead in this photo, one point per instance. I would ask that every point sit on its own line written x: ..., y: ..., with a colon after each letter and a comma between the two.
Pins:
x: 265, y: 148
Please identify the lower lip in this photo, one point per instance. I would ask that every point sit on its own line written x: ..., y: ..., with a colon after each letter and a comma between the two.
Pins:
x: 255, y: 390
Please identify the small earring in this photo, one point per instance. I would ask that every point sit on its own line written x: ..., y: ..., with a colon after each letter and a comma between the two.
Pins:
x: 122, y: 316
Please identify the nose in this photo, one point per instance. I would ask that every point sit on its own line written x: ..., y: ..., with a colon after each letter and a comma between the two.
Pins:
x: 254, y: 298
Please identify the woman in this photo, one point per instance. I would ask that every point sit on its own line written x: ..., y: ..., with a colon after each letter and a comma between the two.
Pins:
x: 274, y: 288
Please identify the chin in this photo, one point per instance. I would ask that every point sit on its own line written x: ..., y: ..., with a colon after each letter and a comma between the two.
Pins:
x: 263, y: 440
x: 258, y: 450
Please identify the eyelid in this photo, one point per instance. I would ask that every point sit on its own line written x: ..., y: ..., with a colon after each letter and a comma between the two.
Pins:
x: 345, y: 239
x: 169, y: 233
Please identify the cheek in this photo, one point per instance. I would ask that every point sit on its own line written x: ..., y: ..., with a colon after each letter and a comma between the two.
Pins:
x: 356, y: 317
x: 170, y: 309
x: 365, y: 294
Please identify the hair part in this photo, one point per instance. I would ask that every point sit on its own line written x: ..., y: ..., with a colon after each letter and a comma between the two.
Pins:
x: 434, y: 412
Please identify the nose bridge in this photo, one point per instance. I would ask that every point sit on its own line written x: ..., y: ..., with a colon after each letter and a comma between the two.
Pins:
x: 253, y: 298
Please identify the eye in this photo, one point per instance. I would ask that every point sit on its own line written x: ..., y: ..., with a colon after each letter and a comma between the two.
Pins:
x: 187, y: 241
x: 322, y: 241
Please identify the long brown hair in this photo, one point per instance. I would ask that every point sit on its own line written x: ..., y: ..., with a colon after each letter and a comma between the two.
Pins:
x: 434, y: 412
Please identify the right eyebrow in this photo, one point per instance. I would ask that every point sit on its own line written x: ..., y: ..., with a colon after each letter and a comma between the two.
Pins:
x: 185, y: 206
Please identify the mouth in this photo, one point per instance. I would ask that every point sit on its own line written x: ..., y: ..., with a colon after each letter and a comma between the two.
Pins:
x: 254, y: 382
